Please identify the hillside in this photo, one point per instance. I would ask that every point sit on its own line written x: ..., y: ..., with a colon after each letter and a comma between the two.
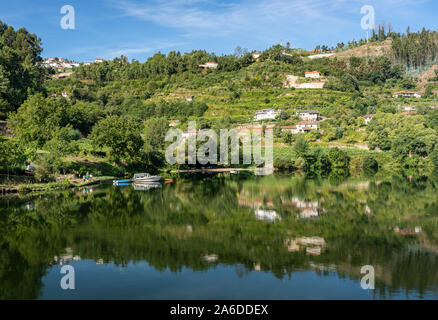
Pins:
x: 374, y: 49
x: 424, y: 77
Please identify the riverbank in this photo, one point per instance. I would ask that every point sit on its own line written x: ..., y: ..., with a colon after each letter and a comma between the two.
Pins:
x: 62, y: 183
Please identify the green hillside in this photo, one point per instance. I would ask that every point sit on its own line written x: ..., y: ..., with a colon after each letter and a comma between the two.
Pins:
x: 110, y: 118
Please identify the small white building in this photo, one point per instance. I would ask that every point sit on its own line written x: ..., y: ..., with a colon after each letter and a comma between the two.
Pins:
x: 291, y: 129
x: 408, y: 108
x: 266, y: 114
x: 99, y: 60
x: 305, y: 126
x: 266, y: 215
x: 212, y: 65
x: 300, y: 127
x: 309, y: 115
x: 174, y: 123
x: 406, y: 94
x: 368, y: 118
x: 256, y: 54
x: 190, y: 133
x: 313, y: 74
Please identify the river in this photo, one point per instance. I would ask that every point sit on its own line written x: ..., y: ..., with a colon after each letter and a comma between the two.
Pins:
x: 225, y: 237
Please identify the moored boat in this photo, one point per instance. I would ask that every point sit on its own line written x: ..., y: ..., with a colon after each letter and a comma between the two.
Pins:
x: 145, y: 177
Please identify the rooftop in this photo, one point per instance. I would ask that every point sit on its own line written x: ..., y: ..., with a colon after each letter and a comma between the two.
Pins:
x: 307, y: 111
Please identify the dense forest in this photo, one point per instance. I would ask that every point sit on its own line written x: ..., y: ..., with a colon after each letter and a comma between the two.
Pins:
x: 20, y: 72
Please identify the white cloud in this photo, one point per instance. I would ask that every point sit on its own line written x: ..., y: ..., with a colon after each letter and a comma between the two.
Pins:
x: 260, y: 21
x: 132, y: 50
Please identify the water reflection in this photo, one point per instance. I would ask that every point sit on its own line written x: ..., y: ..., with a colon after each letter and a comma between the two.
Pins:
x: 277, y: 225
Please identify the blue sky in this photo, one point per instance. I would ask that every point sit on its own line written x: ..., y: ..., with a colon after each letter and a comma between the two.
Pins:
x: 138, y: 29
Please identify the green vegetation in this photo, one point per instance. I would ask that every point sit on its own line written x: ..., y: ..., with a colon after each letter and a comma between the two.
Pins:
x: 112, y: 116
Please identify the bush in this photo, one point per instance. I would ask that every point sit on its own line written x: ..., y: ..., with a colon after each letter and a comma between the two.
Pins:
x: 283, y: 164
x: 434, y: 157
x: 45, y: 169
x: 369, y: 163
x: 339, y: 158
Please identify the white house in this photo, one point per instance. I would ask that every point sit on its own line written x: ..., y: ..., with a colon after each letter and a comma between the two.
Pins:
x: 301, y: 127
x: 190, y: 133
x: 209, y: 65
x: 256, y: 54
x: 305, y: 126
x: 267, y: 215
x: 99, y: 60
x: 406, y: 94
x: 173, y: 123
x: 309, y: 115
x: 313, y: 74
x: 266, y: 114
x: 368, y: 118
x: 291, y: 129
x: 407, y: 108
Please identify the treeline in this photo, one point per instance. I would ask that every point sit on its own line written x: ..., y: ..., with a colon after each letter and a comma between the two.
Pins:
x: 160, y: 65
x: 20, y: 72
x: 411, y: 139
x: 416, y: 50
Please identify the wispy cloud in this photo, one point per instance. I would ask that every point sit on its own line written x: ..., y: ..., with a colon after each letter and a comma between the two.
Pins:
x: 135, y: 49
x: 252, y: 19
x: 203, y: 17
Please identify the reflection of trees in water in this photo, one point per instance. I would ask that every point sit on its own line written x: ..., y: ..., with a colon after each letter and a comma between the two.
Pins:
x: 175, y: 226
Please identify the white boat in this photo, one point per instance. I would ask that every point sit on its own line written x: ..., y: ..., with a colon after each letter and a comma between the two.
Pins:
x: 145, y: 177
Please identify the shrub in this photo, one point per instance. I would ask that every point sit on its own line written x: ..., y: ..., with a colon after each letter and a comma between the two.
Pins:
x: 369, y: 163
x: 283, y: 164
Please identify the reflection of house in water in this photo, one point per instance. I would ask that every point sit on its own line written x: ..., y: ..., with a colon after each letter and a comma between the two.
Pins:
x: 267, y: 215
x: 30, y: 206
x: 66, y: 257
x: 210, y: 258
x: 408, y: 231
x: 308, y: 209
x: 323, y: 268
x: 313, y: 245
x: 256, y: 202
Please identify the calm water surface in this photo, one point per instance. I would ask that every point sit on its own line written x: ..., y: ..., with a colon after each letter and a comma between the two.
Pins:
x: 214, y: 237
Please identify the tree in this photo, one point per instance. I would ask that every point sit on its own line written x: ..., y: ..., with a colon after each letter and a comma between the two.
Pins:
x: 287, y: 137
x: 284, y: 115
x: 434, y: 157
x: 11, y: 154
x: 61, y: 142
x: 121, y: 135
x: 155, y: 131
x: 37, y: 119
x: 370, y: 164
x: 338, y: 158
x: 20, y: 69
x: 301, y: 145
